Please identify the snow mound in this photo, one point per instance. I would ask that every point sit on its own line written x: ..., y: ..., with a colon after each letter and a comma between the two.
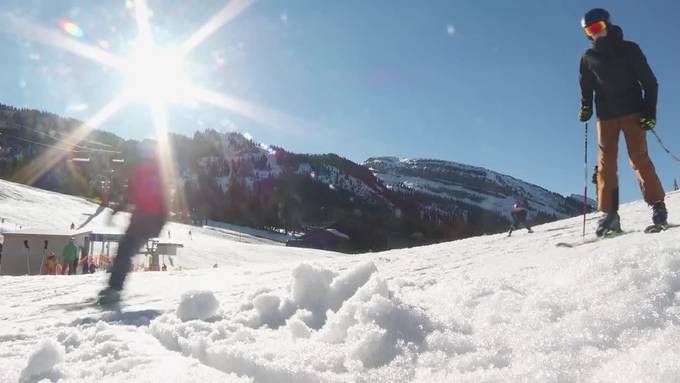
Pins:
x: 375, y: 326
x: 339, y: 325
x: 313, y: 291
x: 42, y: 364
x: 197, y: 305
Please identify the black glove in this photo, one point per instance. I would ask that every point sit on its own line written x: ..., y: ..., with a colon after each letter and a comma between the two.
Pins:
x: 647, y: 123
x: 586, y: 113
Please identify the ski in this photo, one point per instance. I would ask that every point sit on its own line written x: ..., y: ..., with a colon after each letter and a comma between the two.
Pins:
x: 648, y: 230
x: 658, y: 228
x: 609, y: 235
x: 90, y: 303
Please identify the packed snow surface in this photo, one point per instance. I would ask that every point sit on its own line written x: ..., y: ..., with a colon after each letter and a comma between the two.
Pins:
x: 486, y: 309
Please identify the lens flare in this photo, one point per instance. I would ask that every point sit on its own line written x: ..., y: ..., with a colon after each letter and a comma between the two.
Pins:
x: 155, y: 74
x: 71, y: 28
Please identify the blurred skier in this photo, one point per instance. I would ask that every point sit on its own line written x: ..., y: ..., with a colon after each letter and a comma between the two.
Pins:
x: 519, y: 218
x: 625, y: 89
x: 145, y: 192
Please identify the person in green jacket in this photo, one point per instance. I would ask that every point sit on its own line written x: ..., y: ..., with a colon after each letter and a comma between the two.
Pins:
x: 69, y: 256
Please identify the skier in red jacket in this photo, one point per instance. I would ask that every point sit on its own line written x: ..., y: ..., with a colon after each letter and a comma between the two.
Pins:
x: 146, y: 193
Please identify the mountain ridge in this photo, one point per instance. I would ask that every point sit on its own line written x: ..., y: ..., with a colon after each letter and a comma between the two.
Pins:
x: 382, y: 203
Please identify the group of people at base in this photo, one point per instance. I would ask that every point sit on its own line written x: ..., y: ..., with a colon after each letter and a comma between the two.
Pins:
x: 69, y: 261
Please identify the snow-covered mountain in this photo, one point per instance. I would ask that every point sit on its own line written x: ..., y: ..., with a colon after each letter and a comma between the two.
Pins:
x: 231, y: 178
x: 449, y: 188
x: 399, y: 202
x: 485, y: 309
x: 238, y: 180
x: 238, y: 157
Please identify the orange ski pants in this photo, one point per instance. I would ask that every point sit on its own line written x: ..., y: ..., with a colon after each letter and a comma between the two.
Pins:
x: 607, y: 178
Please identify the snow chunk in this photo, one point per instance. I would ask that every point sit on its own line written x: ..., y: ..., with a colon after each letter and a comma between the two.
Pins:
x: 310, y: 286
x: 376, y: 326
x: 339, y: 323
x: 42, y: 364
x: 197, y: 305
x: 314, y: 291
x: 297, y: 325
x: 267, y: 307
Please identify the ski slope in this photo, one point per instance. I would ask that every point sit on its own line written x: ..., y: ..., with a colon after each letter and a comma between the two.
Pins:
x: 30, y: 208
x: 485, y: 309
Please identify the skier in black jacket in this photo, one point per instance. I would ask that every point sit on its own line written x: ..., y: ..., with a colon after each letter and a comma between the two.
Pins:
x: 625, y: 89
x: 519, y: 218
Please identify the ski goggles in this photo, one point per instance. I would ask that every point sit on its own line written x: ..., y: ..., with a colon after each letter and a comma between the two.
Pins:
x: 595, y: 28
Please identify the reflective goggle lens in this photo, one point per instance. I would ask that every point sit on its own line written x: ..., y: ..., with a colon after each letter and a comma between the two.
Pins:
x: 595, y: 28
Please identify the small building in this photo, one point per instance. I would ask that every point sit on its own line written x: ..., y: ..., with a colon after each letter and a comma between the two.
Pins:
x: 24, y: 252
x: 159, y: 252
x: 323, y: 239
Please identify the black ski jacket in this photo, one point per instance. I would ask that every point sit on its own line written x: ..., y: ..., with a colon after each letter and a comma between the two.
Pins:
x: 519, y: 215
x: 617, y: 71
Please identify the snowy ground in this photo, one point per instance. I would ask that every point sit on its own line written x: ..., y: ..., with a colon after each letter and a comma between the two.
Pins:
x: 487, y: 309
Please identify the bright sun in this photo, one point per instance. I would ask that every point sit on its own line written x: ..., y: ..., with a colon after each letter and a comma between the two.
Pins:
x: 156, y: 75
x: 153, y: 76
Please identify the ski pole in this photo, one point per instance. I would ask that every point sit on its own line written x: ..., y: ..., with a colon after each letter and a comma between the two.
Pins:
x: 585, y: 183
x: 42, y: 260
x: 28, y: 257
x: 664, y: 147
x: 42, y: 263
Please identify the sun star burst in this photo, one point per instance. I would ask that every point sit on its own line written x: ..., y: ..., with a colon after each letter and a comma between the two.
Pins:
x: 154, y: 76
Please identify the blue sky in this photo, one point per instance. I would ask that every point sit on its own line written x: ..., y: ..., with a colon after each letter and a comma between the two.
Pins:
x: 487, y: 83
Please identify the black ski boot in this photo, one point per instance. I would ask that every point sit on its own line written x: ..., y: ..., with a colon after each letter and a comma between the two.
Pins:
x: 108, y: 297
x: 659, y: 218
x: 659, y: 214
x: 609, y: 224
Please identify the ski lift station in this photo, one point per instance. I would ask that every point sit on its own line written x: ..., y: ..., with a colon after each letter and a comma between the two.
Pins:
x: 24, y: 251
x: 159, y: 253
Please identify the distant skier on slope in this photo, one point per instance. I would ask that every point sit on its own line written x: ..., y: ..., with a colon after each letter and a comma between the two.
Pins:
x: 625, y: 89
x: 519, y: 218
x: 145, y: 192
